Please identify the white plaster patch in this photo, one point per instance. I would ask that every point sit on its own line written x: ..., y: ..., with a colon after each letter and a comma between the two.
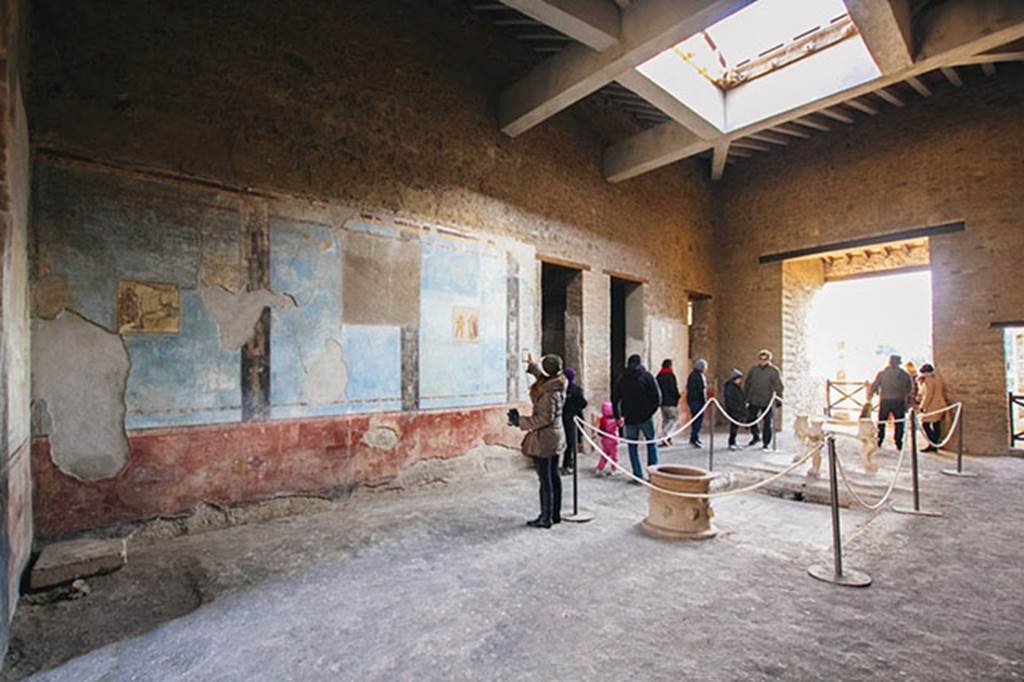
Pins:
x: 81, y: 370
x: 327, y: 376
x: 235, y: 314
x: 382, y: 438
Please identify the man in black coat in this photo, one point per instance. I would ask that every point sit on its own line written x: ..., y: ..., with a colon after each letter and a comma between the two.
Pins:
x: 575, y: 403
x: 636, y: 398
x: 696, y: 396
x: 669, y: 400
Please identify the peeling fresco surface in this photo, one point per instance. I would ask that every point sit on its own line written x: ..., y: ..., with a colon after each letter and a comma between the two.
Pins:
x: 80, y: 370
x: 309, y: 376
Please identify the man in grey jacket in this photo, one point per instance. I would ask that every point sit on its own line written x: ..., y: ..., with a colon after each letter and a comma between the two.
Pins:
x: 895, y: 387
x: 763, y: 380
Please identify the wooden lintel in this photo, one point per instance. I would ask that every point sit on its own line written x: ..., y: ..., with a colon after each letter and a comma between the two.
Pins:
x: 1006, y: 323
x: 562, y: 262
x: 916, y: 233
x: 629, y: 278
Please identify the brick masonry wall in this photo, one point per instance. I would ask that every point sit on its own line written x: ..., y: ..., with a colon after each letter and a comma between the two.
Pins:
x: 958, y: 155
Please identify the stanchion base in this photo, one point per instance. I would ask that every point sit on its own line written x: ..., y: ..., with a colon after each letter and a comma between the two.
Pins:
x: 849, y: 578
x: 961, y: 474
x: 578, y: 517
x: 916, y: 512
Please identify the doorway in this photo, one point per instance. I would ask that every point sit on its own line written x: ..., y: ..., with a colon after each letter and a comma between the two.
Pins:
x: 1013, y: 338
x: 856, y: 324
x: 627, y: 329
x: 561, y: 290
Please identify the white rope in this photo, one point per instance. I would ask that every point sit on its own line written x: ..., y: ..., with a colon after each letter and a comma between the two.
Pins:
x: 876, y: 422
x: 947, y: 408
x: 888, y: 492
x: 760, y: 484
x: 682, y: 427
x: 952, y: 429
x: 620, y: 439
x: 760, y: 417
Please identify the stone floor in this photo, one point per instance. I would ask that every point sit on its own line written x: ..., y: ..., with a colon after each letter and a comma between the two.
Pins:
x: 445, y: 582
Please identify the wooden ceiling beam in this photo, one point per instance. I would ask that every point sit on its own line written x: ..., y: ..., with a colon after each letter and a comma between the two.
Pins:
x: 889, y: 97
x: 952, y: 76
x: 836, y: 115
x: 770, y: 139
x: 919, y: 86
x: 595, y: 23
x: 861, y: 106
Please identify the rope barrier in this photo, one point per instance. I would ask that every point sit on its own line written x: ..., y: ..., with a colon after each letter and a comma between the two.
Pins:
x: 682, y: 427
x: 736, y: 491
x: 952, y: 429
x: 760, y: 418
x: 892, y: 486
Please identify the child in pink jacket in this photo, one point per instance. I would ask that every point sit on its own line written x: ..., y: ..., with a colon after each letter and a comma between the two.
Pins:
x: 609, y: 424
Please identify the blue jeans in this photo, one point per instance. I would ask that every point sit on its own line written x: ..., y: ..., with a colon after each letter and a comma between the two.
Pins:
x: 633, y: 432
x: 697, y: 423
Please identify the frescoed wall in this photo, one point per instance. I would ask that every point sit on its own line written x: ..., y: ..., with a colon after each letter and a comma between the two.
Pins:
x: 146, y: 320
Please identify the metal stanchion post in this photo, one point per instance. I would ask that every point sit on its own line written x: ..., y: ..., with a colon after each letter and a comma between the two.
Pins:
x: 835, y: 573
x: 711, y: 438
x: 916, y: 509
x: 959, y: 471
x: 775, y: 426
x: 576, y: 516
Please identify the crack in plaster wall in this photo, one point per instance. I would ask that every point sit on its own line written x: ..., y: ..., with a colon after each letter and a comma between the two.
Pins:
x: 81, y: 370
x: 235, y: 314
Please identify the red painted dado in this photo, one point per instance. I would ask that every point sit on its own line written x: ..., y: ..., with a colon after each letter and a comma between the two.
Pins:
x: 172, y: 470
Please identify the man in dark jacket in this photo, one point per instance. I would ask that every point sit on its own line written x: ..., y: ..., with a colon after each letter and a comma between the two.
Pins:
x: 575, y: 403
x: 763, y: 381
x: 735, y: 404
x: 696, y: 396
x: 636, y: 398
x: 669, y: 400
x: 895, y: 387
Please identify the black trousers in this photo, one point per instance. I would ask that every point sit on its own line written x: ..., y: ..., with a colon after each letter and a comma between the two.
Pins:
x: 898, y: 410
x: 933, y: 430
x: 571, y: 444
x: 550, y: 488
x: 733, y: 430
x: 753, y: 412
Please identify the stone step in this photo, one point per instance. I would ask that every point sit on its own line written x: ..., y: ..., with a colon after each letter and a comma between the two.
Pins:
x: 63, y: 562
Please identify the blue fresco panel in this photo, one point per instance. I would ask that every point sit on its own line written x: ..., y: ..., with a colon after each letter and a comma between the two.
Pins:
x: 456, y: 374
x: 183, y: 379
x: 305, y: 262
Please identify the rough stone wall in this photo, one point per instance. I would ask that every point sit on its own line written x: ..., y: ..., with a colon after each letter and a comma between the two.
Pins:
x: 958, y: 155
x: 15, y: 476
x: 804, y: 393
x: 317, y: 100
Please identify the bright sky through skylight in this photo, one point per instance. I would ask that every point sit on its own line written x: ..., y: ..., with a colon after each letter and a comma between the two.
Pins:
x: 768, y: 23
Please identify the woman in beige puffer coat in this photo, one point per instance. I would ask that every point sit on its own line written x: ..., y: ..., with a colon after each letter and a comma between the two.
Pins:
x: 545, y: 437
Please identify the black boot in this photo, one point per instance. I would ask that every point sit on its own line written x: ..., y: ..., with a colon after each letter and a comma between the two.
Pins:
x: 539, y: 522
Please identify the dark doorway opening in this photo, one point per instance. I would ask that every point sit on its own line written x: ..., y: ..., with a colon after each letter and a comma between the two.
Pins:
x: 627, y: 332
x: 561, y: 319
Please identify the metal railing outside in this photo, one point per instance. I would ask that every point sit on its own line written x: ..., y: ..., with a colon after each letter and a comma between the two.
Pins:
x: 846, y: 395
x: 1016, y: 406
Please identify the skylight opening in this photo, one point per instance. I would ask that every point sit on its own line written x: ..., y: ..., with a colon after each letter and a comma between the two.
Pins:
x: 763, y: 37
